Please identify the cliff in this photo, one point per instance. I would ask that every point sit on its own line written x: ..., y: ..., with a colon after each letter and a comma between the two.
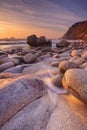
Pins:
x: 77, y: 31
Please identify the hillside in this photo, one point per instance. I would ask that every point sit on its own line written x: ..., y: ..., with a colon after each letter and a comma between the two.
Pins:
x: 77, y: 31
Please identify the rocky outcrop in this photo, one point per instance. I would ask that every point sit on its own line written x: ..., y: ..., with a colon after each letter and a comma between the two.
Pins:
x: 34, y: 41
x: 77, y: 31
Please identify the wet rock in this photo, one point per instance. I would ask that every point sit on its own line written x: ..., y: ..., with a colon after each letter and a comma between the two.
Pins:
x: 57, y: 80
x: 84, y: 55
x: 7, y: 59
x: 32, y: 40
x: 3, y: 53
x: 41, y: 40
x: 69, y: 106
x: 19, y: 58
x: 43, y: 57
x: 65, y: 65
x: 55, y: 64
x: 72, y: 59
x: 3, y: 56
x: 56, y: 56
x: 62, y: 43
x: 30, y: 58
x: 65, y: 54
x: 76, y: 53
x: 40, y: 66
x: 84, y: 65
x: 16, y: 93
x: 6, y: 66
x: 75, y: 81
x: 28, y: 119
x: 80, y: 61
x: 16, y: 69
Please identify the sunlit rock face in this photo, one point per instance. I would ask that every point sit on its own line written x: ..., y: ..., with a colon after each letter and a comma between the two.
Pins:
x: 75, y: 81
x: 77, y: 31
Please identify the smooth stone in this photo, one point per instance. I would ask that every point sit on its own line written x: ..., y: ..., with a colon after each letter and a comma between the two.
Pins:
x: 65, y: 65
x: 62, y: 43
x: 84, y: 65
x: 76, y: 53
x: 20, y: 58
x: 17, y: 69
x: 7, y: 59
x: 75, y: 81
x: 6, y: 66
x: 72, y: 59
x: 55, y: 64
x: 57, y: 80
x: 78, y: 60
x: 30, y: 58
x: 84, y: 55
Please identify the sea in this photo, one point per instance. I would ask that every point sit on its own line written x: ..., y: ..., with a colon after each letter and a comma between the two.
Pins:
x: 8, y: 44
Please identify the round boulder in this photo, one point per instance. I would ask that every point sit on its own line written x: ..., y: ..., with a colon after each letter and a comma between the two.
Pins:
x: 65, y: 65
x: 7, y: 59
x: 29, y: 58
x: 76, y: 53
x: 75, y: 81
x: 6, y: 66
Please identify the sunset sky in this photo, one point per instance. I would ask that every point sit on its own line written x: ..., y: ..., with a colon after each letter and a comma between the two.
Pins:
x: 20, y: 18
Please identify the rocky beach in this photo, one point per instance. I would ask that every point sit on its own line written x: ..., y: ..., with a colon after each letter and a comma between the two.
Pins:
x: 44, y: 87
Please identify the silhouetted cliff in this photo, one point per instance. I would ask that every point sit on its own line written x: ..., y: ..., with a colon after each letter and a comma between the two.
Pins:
x: 77, y: 31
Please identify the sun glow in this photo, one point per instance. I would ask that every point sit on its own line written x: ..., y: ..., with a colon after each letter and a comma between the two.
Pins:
x: 8, y: 30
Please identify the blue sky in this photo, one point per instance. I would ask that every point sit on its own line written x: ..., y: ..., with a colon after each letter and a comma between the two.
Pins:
x: 42, y: 17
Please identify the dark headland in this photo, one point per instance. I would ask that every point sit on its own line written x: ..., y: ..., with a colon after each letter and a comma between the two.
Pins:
x: 77, y: 31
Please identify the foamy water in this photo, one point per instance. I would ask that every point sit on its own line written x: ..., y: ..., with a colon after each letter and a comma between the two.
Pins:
x: 20, y: 43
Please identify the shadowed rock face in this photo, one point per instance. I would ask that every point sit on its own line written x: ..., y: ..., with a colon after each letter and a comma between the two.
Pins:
x: 33, y: 41
x: 77, y: 31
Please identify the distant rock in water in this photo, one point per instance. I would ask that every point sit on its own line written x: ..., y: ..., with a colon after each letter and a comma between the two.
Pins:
x: 33, y: 41
x: 62, y: 43
x: 77, y: 31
